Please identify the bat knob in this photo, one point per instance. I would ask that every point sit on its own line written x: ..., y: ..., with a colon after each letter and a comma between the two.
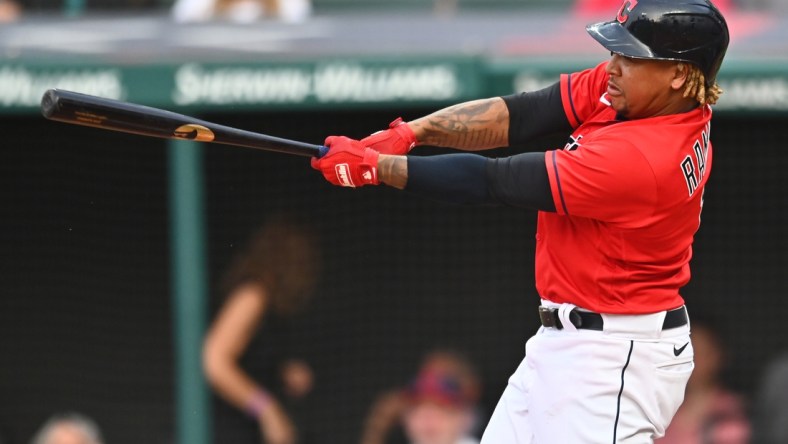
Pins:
x: 49, y: 103
x: 322, y: 151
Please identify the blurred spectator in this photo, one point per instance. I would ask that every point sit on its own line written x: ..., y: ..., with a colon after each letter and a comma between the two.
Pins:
x: 770, y: 410
x: 246, y: 357
x: 68, y: 428
x: 241, y: 11
x: 710, y: 413
x: 9, y: 11
x: 437, y: 407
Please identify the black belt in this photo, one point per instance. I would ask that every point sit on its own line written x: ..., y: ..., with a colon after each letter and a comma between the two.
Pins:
x: 593, y: 321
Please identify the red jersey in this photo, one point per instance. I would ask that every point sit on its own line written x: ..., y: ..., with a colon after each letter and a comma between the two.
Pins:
x: 628, y: 197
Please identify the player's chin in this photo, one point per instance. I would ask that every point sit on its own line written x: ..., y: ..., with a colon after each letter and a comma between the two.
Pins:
x: 622, y: 111
x: 620, y: 105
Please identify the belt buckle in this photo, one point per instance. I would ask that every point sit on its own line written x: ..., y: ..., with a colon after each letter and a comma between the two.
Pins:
x: 548, y: 317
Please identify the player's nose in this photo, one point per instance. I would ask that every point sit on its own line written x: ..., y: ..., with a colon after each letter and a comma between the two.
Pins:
x: 613, y: 66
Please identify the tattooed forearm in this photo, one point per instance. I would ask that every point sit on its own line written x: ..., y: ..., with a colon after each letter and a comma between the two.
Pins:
x: 393, y: 170
x: 476, y: 125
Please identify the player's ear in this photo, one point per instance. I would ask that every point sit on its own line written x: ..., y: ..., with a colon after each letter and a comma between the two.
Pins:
x: 680, y: 75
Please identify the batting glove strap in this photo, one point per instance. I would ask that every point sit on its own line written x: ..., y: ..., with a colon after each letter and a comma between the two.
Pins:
x: 348, y: 163
x: 399, y: 139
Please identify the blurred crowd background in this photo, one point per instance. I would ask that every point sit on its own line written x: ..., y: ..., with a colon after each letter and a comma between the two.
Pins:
x: 297, y: 10
x: 382, y: 318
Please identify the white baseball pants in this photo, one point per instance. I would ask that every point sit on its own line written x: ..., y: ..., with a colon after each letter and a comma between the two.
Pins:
x: 619, y: 385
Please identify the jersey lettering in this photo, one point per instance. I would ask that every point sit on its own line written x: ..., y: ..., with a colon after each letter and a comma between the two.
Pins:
x: 573, y: 143
x: 689, y: 174
x: 699, y: 158
x: 694, y: 170
x: 705, y: 137
x: 702, y: 195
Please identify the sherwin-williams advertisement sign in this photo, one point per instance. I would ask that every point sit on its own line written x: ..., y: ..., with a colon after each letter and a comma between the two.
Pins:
x: 211, y: 86
x: 339, y: 83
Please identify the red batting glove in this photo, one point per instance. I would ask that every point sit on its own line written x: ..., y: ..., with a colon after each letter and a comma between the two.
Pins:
x: 398, y: 139
x: 348, y: 163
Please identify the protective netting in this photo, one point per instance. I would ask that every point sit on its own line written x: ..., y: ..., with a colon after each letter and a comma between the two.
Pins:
x: 85, y: 319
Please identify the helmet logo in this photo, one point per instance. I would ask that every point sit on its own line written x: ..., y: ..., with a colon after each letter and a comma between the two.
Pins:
x: 626, y: 9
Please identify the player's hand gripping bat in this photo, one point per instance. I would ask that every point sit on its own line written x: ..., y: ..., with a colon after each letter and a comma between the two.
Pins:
x: 115, y: 115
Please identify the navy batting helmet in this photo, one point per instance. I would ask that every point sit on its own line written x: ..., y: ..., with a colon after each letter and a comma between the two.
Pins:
x: 691, y: 31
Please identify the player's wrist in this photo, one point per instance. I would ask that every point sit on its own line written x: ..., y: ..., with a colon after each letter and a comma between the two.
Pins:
x: 393, y: 170
x: 412, y: 128
x: 258, y: 403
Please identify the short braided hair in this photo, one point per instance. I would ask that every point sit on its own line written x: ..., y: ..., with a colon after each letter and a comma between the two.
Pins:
x: 696, y: 87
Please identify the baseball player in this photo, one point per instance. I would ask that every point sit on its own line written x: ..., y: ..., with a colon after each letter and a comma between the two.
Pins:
x: 618, y: 207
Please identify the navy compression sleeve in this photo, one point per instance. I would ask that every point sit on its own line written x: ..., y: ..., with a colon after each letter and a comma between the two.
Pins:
x: 534, y: 114
x: 519, y: 180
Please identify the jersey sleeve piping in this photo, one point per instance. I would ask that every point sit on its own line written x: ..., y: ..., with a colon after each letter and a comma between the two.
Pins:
x: 555, y: 182
x: 651, y: 190
x: 568, y: 102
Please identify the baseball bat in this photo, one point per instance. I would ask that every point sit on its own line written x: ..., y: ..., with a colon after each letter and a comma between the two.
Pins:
x: 115, y: 115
